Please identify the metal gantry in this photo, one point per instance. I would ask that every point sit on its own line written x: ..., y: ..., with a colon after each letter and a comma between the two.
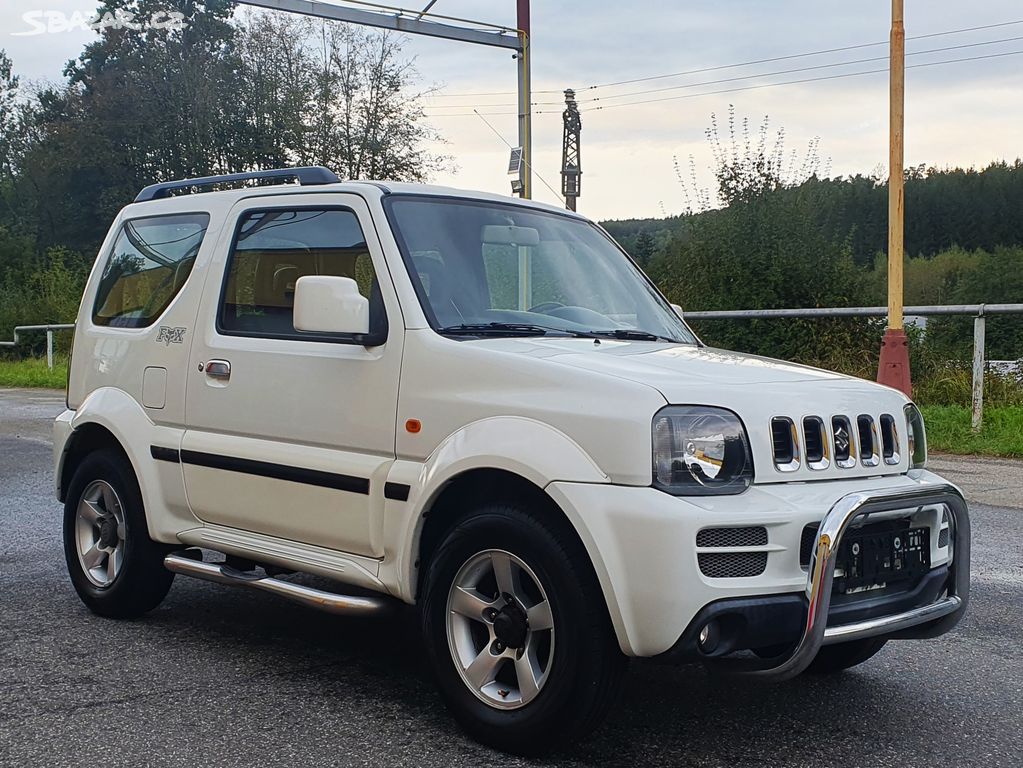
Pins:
x: 571, y: 164
x: 424, y: 22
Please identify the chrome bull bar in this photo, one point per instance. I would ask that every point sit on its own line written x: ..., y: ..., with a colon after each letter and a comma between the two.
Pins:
x: 923, y: 622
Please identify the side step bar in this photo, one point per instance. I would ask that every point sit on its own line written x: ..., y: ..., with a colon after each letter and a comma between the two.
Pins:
x: 330, y: 602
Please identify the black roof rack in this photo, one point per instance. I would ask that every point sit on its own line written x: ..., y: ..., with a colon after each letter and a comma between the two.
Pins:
x: 311, y: 176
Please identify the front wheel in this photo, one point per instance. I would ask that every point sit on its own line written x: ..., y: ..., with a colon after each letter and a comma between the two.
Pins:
x: 115, y: 567
x: 518, y: 632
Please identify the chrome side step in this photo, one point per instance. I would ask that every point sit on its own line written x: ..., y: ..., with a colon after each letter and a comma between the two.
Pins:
x: 331, y: 602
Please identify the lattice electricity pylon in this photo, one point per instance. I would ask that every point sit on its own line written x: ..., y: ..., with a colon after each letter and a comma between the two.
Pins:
x: 571, y: 165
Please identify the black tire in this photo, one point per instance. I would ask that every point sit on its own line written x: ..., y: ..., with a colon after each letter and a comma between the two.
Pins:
x: 586, y: 665
x: 141, y: 582
x: 835, y: 658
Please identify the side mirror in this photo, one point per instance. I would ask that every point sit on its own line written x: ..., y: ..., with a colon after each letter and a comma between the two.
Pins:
x: 330, y: 304
x: 678, y: 310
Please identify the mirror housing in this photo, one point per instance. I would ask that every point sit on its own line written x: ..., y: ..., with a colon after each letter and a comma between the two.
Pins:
x: 503, y: 234
x: 678, y: 310
x: 330, y: 304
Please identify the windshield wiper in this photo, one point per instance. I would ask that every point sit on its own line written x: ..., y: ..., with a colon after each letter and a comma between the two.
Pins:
x: 634, y: 334
x: 495, y: 329
x: 510, y: 329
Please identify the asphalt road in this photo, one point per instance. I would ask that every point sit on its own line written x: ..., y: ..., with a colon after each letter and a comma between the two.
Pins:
x: 221, y: 677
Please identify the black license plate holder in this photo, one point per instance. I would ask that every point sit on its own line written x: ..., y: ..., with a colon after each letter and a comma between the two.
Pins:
x: 879, y: 555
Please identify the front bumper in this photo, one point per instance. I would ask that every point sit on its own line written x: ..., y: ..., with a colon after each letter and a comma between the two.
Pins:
x: 930, y: 620
x: 641, y: 542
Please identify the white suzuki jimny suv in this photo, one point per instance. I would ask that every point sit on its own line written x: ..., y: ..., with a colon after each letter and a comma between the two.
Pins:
x: 483, y: 408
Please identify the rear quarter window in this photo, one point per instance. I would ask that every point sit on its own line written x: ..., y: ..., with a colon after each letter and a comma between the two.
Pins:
x: 148, y: 265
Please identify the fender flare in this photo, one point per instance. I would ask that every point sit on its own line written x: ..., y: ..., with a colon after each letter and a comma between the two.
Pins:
x: 162, y: 487
x: 528, y: 448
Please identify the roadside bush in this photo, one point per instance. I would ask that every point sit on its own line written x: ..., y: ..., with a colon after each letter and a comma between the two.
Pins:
x: 45, y: 290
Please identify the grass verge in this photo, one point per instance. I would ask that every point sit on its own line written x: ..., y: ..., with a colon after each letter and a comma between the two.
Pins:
x: 33, y: 373
x: 948, y: 431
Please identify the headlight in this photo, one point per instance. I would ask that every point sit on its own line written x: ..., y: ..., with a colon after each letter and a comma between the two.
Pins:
x: 917, y: 437
x: 700, y: 451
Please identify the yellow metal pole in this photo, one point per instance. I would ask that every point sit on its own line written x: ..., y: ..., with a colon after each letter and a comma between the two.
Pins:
x: 896, y: 196
x: 893, y: 366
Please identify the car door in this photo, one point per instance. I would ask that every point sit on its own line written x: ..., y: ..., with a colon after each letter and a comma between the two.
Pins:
x: 290, y: 434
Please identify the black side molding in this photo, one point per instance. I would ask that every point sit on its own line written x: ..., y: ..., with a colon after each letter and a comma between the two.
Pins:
x: 278, y: 471
x: 160, y: 453
x: 396, y: 491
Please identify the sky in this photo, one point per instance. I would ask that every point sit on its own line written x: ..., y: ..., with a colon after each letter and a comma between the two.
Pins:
x: 960, y: 114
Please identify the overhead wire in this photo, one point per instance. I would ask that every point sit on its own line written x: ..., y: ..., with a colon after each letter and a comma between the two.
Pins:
x: 738, y: 78
x: 737, y: 65
x: 742, y: 88
x: 803, y: 80
x: 528, y: 165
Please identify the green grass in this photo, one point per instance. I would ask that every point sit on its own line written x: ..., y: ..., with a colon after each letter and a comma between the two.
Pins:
x: 948, y: 431
x: 33, y: 373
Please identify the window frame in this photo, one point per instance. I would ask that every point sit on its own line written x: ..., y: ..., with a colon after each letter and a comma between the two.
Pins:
x: 375, y: 337
x: 110, y: 253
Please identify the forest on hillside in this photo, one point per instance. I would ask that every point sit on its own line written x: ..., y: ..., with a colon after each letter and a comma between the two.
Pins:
x: 774, y: 234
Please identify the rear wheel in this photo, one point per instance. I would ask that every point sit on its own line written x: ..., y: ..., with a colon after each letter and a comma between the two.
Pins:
x: 116, y: 569
x: 518, y: 632
x: 835, y: 658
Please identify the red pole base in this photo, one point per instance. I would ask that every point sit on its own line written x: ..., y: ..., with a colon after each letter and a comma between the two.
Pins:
x: 893, y: 368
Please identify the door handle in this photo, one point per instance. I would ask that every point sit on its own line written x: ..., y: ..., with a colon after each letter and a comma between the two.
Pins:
x: 218, y: 369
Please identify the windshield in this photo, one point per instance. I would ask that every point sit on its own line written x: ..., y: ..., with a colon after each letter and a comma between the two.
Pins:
x: 484, y: 268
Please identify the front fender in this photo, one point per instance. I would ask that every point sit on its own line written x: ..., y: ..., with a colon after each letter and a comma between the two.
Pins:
x: 531, y: 449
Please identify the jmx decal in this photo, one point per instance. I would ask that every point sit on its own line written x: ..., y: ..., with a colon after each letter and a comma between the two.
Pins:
x: 171, y: 335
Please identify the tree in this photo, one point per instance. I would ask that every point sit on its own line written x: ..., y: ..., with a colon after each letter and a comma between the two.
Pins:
x: 215, y: 96
x: 367, y: 119
x: 643, y: 250
x: 9, y: 88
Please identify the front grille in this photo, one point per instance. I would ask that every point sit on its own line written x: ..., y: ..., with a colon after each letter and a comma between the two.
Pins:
x: 943, y: 538
x: 841, y: 432
x: 781, y: 436
x: 749, y: 536
x: 889, y: 440
x: 814, y: 439
x: 732, y: 565
x: 860, y: 440
x: 806, y: 542
x: 868, y: 441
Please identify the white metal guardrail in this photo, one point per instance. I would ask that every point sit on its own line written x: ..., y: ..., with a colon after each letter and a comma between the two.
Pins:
x: 20, y: 329
x: 978, y: 311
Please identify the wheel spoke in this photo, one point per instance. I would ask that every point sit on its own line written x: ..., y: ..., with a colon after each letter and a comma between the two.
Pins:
x: 93, y: 557
x: 504, y: 573
x: 528, y: 676
x: 469, y: 603
x: 109, y: 500
x: 483, y: 668
x: 113, y: 563
x: 539, y: 617
x: 90, y: 511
